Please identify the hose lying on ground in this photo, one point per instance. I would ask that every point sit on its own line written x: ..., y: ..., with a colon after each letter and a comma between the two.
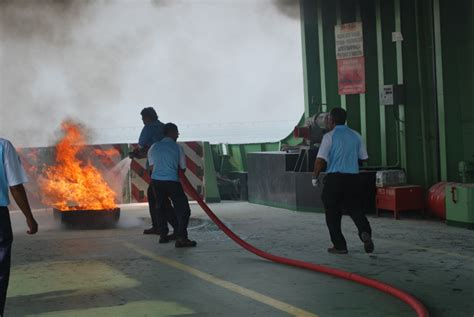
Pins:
x: 419, y: 308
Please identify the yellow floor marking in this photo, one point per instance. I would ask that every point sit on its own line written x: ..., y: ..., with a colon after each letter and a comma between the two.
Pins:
x: 292, y: 310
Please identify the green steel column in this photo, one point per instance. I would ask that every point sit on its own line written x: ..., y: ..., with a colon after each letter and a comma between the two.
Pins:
x: 363, y: 108
x: 440, y: 92
x: 339, y: 21
x: 307, y: 97
x: 322, y: 66
x: 309, y: 42
x: 383, y: 133
x: 422, y: 95
x: 401, y: 108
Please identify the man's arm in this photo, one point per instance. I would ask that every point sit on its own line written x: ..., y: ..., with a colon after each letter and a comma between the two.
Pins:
x: 182, y: 159
x: 19, y: 194
x: 151, y: 159
x: 362, y: 162
x: 139, y: 152
x: 363, y: 155
x: 319, y: 166
x: 144, y: 142
x: 16, y: 176
x: 323, y: 153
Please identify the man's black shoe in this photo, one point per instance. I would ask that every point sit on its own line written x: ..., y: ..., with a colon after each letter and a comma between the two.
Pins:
x: 333, y: 250
x: 152, y: 230
x: 184, y: 243
x: 164, y: 239
x: 172, y: 236
x: 368, y: 243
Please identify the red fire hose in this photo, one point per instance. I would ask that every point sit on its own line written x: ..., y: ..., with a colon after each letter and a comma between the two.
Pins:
x: 419, y: 308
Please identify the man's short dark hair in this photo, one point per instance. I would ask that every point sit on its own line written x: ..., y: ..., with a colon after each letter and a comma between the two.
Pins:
x: 149, y: 112
x: 170, y: 127
x: 338, y: 115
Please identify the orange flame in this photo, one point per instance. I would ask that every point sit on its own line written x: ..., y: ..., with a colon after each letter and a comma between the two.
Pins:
x: 107, y: 153
x: 72, y: 183
x: 29, y: 159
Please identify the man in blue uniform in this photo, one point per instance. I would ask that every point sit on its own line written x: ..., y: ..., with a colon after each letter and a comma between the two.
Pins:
x: 340, y: 153
x: 12, y: 175
x: 152, y: 132
x: 167, y: 158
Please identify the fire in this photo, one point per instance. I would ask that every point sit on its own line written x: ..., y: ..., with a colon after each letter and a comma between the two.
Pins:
x: 29, y: 160
x: 106, y: 156
x: 73, y: 183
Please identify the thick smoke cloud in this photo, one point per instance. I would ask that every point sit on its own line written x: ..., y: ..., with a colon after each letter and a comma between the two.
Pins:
x: 291, y: 8
x: 101, y: 62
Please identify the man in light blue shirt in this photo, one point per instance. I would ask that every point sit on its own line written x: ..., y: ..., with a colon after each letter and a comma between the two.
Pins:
x: 340, y: 153
x: 166, y: 159
x: 152, y: 132
x: 12, y: 176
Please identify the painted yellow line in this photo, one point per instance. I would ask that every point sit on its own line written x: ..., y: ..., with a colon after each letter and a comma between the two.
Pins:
x: 292, y: 310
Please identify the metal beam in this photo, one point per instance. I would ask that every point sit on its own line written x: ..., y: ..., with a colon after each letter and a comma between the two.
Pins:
x: 440, y: 91
x: 322, y: 66
x: 307, y: 97
x: 400, y: 80
x: 363, y: 104
x: 339, y: 21
x: 383, y: 132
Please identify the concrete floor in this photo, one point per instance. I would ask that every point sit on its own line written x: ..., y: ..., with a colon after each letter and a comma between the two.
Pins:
x: 121, y: 272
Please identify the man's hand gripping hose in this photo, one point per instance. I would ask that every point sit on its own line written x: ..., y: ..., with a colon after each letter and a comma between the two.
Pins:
x: 419, y: 308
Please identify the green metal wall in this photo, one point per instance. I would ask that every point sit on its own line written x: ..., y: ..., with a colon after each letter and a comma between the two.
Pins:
x: 235, y: 160
x: 422, y: 150
x: 457, y: 34
x: 434, y: 129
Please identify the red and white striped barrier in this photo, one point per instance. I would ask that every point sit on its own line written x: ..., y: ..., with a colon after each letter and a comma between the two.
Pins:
x: 139, y: 180
x: 194, y: 152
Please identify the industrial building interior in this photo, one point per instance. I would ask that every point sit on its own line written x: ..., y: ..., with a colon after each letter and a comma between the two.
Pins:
x: 403, y: 71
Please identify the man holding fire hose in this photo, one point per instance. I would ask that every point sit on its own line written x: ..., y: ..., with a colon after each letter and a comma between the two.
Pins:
x: 340, y: 153
x: 167, y: 159
x: 152, y: 132
x: 13, y: 176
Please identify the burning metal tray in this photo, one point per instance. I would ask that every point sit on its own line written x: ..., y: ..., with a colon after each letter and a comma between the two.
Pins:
x: 88, y: 219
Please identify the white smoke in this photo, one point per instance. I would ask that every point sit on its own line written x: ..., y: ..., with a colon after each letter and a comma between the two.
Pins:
x: 196, y: 61
x: 117, y: 178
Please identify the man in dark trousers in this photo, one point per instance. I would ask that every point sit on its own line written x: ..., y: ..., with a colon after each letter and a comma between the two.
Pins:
x: 152, y: 132
x: 12, y: 175
x: 167, y: 158
x: 340, y: 153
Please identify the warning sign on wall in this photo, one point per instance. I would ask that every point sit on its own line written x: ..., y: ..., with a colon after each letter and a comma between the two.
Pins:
x: 351, y: 75
x: 349, y: 40
x: 350, y: 58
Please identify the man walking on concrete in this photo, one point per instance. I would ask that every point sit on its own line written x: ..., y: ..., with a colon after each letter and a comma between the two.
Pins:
x: 340, y: 153
x: 12, y: 175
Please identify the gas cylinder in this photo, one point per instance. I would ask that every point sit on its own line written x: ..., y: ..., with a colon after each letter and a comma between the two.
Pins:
x: 436, y: 200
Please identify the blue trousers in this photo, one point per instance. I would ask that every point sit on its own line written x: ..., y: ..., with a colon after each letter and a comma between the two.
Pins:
x: 6, y: 239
